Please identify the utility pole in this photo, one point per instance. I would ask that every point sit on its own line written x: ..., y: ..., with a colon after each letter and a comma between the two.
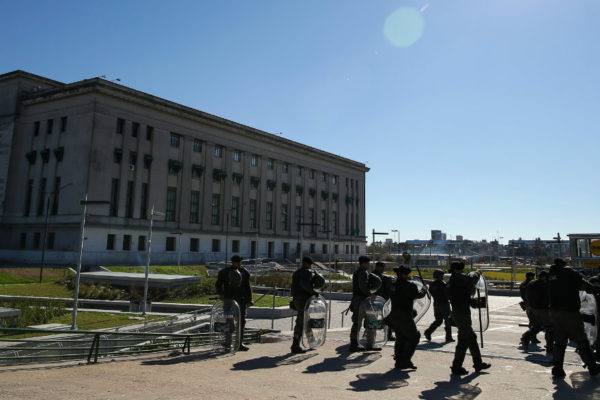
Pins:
x: 558, y: 240
x: 373, y: 242
x: 148, y: 251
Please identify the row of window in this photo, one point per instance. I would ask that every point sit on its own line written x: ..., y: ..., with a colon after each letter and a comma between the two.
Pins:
x: 59, y: 153
x: 51, y: 198
x: 194, y: 245
x: 135, y: 129
x: 50, y: 126
x: 37, y: 240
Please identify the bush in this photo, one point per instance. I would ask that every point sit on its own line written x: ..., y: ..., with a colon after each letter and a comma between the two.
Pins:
x: 35, y: 313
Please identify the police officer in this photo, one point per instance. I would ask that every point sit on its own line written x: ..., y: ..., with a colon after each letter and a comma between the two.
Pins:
x: 401, y: 317
x: 538, y: 304
x: 529, y: 276
x: 564, y: 284
x: 229, y: 288
x: 595, y: 282
x: 385, y: 291
x: 360, y: 291
x: 460, y: 287
x: 302, y: 290
x: 441, y: 306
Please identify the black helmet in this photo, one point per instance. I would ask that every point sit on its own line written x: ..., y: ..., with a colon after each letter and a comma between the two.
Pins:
x: 559, y: 262
x: 438, y: 273
x: 318, y: 281
x: 374, y: 283
x: 234, y: 278
x: 530, y: 275
x: 457, y: 266
x: 543, y: 274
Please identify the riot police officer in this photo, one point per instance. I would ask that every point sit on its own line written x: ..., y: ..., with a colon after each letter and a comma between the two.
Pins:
x: 385, y: 291
x: 302, y: 289
x: 441, y: 306
x: 401, y: 317
x: 538, y: 304
x: 230, y: 287
x: 564, y: 285
x: 460, y: 288
x: 529, y: 276
x: 360, y: 291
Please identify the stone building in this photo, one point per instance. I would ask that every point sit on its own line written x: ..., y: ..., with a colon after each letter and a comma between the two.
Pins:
x: 222, y: 186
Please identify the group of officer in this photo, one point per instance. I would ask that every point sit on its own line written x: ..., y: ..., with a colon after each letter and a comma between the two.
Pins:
x: 553, y: 304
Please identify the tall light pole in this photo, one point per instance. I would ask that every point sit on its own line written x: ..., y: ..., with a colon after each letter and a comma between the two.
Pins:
x: 178, y: 248
x: 85, y: 202
x: 148, y: 251
x: 373, y: 242
x: 397, y: 231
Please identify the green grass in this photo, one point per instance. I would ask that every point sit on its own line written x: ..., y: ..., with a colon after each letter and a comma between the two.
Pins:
x: 266, y: 301
x: 194, y: 270
x: 48, y: 289
x: 9, y: 276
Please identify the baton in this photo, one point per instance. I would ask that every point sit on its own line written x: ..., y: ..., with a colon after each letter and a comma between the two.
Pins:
x: 423, y: 282
x: 480, y: 323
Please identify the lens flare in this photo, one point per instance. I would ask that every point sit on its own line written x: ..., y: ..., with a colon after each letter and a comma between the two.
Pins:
x: 404, y: 26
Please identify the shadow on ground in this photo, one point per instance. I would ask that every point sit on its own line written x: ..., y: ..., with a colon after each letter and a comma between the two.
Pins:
x: 540, y: 359
x: 344, y: 360
x: 390, y: 380
x: 267, y: 362
x: 178, y: 358
x: 456, y: 388
x: 583, y: 387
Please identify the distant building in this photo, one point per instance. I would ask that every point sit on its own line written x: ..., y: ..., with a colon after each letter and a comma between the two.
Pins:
x: 222, y: 186
x: 459, y: 238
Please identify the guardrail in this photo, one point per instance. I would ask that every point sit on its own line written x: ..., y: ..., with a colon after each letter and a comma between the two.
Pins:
x: 79, y: 344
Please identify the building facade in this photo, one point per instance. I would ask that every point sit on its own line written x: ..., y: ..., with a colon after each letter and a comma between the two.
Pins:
x: 223, y: 187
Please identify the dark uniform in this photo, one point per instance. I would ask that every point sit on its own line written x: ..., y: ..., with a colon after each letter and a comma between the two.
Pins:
x: 302, y: 290
x: 538, y: 303
x: 595, y: 282
x: 525, y: 304
x: 564, y: 284
x: 460, y: 287
x: 385, y: 291
x: 360, y: 291
x: 401, y: 317
x: 242, y: 294
x: 441, y: 309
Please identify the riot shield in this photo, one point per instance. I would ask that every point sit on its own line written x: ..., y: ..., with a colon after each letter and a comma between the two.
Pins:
x: 314, y: 328
x: 589, y: 315
x: 420, y: 306
x: 372, y: 332
x: 480, y: 314
x: 225, y: 332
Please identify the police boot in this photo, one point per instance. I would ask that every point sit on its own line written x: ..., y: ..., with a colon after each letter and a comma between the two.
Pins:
x: 588, y: 358
x: 525, y: 341
x: 296, y: 349
x: 354, y: 347
x: 558, y: 357
x: 449, y: 336
x: 427, y: 334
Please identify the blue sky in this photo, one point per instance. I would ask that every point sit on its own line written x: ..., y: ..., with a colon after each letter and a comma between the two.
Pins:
x: 479, y: 118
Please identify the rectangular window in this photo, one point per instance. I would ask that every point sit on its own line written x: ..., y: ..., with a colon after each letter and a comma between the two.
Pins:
x: 284, y: 168
x: 269, y: 214
x: 171, y: 202
x: 129, y: 200
x: 110, y: 242
x: 141, y: 243
x: 298, y: 216
x: 144, y: 201
x: 114, y: 197
x: 312, y: 248
x: 270, y: 163
x: 120, y: 125
x: 36, y: 128
x: 56, y: 196
x: 336, y: 249
x: 126, y: 242
x: 41, y: 195
x: 235, y: 246
x: 324, y: 220
x: 28, y: 197
x: 237, y: 155
x: 149, y: 132
x: 311, y: 174
x: 347, y: 249
x: 197, y: 145
x: 135, y: 128
x: 194, y: 245
x: 235, y: 211
x: 170, y: 243
x: 323, y: 177
x: 194, y: 206
x: 174, y: 140
x: 324, y: 249
x: 334, y: 222
x: 50, y: 241
x: 36, y: 240
x: 298, y: 171
x: 252, y: 214
x: 63, y: 124
x: 284, y: 217
x: 216, y: 245
x: 254, y: 160
x: 215, y: 214
x: 334, y: 179
x: 50, y: 126
x: 311, y: 219
x: 132, y: 160
x: 23, y: 240
x: 218, y: 151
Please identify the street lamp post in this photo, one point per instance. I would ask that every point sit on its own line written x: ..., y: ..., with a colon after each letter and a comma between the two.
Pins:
x: 85, y: 202
x: 148, y: 251
x: 373, y: 242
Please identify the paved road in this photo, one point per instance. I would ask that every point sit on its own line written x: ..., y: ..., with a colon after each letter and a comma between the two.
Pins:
x: 269, y: 371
